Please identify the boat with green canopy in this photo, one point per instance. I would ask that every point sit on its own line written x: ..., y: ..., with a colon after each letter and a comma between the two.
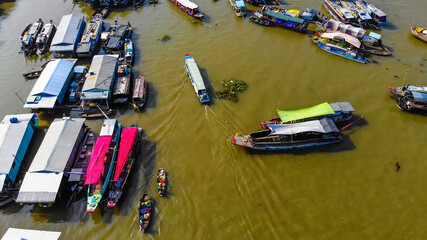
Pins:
x: 338, y: 112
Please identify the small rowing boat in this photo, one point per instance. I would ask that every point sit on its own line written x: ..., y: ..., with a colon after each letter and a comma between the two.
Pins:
x: 161, y: 182
x: 420, y: 33
x: 32, y: 75
x: 144, y: 209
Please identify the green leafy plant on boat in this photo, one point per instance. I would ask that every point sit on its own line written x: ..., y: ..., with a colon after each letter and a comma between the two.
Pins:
x: 231, y: 88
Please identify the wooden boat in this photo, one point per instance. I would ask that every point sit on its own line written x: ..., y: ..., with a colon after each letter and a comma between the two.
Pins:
x: 32, y: 75
x: 340, y: 44
x: 140, y: 92
x: 144, y: 209
x: 129, y: 52
x: 29, y: 37
x: 189, y: 7
x: 79, y: 76
x: 113, y: 40
x: 292, y: 136
x: 123, y: 84
x: 90, y: 39
x: 338, y: 112
x: 196, y: 79
x: 102, y: 162
x: 100, y: 14
x: 96, y: 113
x: 420, y: 33
x: 372, y: 44
x: 280, y: 19
x: 375, y: 13
x: 128, y: 152
x: 254, y: 18
x: 78, y: 170
x: 238, y: 7
x: 340, y: 13
x: 45, y: 37
x: 161, y: 182
x: 410, y: 98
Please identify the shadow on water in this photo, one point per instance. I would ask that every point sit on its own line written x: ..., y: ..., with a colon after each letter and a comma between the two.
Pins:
x: 209, y: 87
x: 389, y: 26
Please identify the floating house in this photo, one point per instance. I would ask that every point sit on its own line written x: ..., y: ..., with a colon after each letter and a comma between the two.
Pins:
x: 16, y: 132
x: 52, y: 85
x: 28, y: 234
x: 68, y: 35
x: 53, y: 161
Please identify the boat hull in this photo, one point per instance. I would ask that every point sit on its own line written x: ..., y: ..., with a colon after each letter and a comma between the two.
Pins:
x: 341, y: 54
x: 418, y: 35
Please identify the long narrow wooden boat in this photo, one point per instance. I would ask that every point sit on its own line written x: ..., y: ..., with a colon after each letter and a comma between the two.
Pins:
x: 257, y: 19
x: 140, y: 92
x: 338, y: 112
x: 189, y: 7
x: 129, y: 52
x: 45, y: 38
x: 410, y: 98
x: 32, y: 75
x: 29, y: 37
x: 123, y: 83
x: 128, y: 152
x: 78, y: 170
x: 340, y: 44
x: 292, y: 136
x: 419, y: 32
x: 102, y: 163
x: 161, y: 182
x: 144, y: 209
x: 372, y: 44
x: 196, y: 79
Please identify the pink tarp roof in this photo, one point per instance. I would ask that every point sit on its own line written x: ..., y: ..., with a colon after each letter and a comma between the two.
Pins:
x: 127, y: 141
x: 338, y: 35
x: 96, y: 164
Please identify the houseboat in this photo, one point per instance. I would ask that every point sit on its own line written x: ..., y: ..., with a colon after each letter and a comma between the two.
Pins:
x: 90, y: 39
x: 410, y: 98
x: 196, y: 79
x: 51, y: 87
x: 189, y: 7
x: 292, y: 136
x: 45, y: 179
x: 29, y: 37
x: 140, y: 92
x: 67, y: 36
x: 338, y: 112
x: 16, y: 132
x: 98, y: 87
x: 340, y: 44
x: 238, y: 7
x: 286, y: 21
x: 114, y: 39
x: 128, y: 152
x: 102, y: 162
x: 45, y: 37
x: 123, y: 83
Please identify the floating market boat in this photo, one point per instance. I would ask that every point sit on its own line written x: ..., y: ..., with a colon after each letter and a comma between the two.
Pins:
x: 375, y: 13
x: 338, y: 112
x: 144, y: 209
x: 29, y: 37
x: 257, y: 18
x: 410, y: 97
x: 238, y: 7
x: 196, y: 79
x: 75, y: 183
x: 90, y: 39
x: 189, y: 7
x: 45, y: 37
x: 102, y: 162
x: 114, y: 39
x: 140, y: 92
x: 340, y: 44
x: 340, y: 13
x: 286, y: 21
x: 420, y: 33
x: 123, y: 84
x: 129, y: 52
x: 128, y: 152
x: 16, y: 132
x: 372, y: 44
x: 292, y: 136
x: 100, y: 14
x: 161, y: 182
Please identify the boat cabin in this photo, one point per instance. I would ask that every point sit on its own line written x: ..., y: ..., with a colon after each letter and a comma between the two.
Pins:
x: 51, y: 87
x: 51, y: 165
x: 16, y: 132
x: 377, y: 14
x: 196, y: 79
x: 90, y: 39
x: 67, y: 36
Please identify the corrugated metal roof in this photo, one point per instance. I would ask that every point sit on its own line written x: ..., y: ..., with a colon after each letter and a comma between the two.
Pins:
x: 188, y: 3
x: 39, y: 187
x: 11, y: 135
x: 19, y: 234
x: 67, y: 32
x: 56, y: 148
x: 50, y: 84
x: 342, y: 106
x: 108, y: 127
x: 100, y: 77
x: 283, y: 17
x: 194, y: 71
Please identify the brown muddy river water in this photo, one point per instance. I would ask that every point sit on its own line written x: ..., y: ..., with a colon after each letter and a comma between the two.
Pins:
x: 220, y: 191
